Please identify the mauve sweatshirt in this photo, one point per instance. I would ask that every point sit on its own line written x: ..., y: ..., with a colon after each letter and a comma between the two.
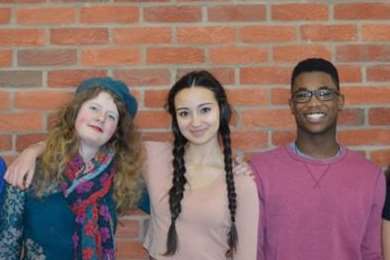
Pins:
x: 318, y: 209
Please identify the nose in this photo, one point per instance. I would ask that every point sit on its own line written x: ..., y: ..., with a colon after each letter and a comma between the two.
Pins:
x: 101, y: 117
x: 195, y: 120
x: 314, y: 101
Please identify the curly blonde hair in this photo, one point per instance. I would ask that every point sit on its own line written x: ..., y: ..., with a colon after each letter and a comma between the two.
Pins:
x: 63, y: 144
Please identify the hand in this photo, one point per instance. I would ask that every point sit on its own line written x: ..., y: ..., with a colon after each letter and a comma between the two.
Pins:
x: 241, y: 167
x: 21, y: 170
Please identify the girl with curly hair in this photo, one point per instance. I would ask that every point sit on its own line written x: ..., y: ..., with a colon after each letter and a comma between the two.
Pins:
x: 199, y: 208
x: 88, y: 173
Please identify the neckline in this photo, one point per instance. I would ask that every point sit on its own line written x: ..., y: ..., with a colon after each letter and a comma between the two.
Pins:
x: 334, y: 159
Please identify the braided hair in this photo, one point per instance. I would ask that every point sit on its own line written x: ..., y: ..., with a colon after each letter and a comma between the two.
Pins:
x: 206, y: 80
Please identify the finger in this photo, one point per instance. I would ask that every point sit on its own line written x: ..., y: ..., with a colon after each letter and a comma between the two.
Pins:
x: 29, y: 177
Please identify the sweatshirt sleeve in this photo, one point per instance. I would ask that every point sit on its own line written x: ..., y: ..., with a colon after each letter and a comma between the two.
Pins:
x: 261, y: 231
x: 371, y: 245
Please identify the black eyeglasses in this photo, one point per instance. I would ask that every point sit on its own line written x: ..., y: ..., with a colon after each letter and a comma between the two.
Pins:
x: 322, y: 94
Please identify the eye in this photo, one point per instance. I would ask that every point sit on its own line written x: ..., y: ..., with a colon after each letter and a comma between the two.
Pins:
x: 325, y: 92
x: 302, y: 94
x: 93, y: 107
x: 182, y: 113
x: 205, y: 110
x: 112, y: 117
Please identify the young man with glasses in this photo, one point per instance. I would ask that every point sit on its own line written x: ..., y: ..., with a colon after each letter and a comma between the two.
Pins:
x: 319, y: 200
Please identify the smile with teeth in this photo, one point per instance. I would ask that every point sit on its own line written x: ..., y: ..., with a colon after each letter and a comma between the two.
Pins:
x: 315, y: 116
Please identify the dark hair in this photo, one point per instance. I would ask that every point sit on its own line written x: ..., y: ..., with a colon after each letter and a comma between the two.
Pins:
x: 206, y: 80
x: 313, y: 65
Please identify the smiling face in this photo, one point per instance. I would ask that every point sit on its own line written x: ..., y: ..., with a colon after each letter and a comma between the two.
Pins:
x: 197, y: 114
x: 315, y: 116
x: 97, y: 121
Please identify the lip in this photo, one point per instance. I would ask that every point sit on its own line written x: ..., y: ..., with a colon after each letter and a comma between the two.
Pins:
x: 96, y: 128
x: 198, y: 132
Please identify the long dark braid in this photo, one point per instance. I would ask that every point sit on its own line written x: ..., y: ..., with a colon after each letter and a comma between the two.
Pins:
x: 206, y: 80
x: 224, y: 131
x: 177, y: 190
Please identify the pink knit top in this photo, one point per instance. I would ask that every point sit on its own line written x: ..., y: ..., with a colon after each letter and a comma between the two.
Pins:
x: 203, y: 224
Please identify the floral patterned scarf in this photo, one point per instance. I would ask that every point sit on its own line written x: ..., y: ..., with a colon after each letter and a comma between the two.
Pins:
x: 85, y: 188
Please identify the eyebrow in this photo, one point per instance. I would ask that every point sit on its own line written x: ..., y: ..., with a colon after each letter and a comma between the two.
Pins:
x: 200, y: 105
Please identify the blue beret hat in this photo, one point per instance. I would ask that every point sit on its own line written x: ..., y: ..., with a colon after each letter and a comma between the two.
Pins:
x: 117, y: 87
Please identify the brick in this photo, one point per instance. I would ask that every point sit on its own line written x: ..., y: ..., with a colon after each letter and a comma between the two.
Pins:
x: 362, y: 11
x: 223, y: 75
x: 351, y: 117
x: 153, y: 119
x: 78, y: 36
x: 142, y: 35
x: 172, y: 14
x: 20, y: 78
x: 378, y: 73
x: 128, y: 229
x: 280, y: 96
x: 267, y: 33
x: 144, y: 77
x: 282, y: 137
x: 130, y: 249
x: 46, y: 15
x: 21, y: 37
x: 110, y: 56
x: 42, y: 99
x: 5, y: 15
x: 143, y: 1
x: 298, y: 11
x: 23, y: 141
x: 349, y: 73
x: 376, y: 32
x: 380, y: 157
x: 157, y: 136
x: 22, y: 1
x: 264, y: 75
x: 366, y: 95
x: 362, y: 53
x: 249, y: 140
x: 370, y: 136
x: 237, y: 55
x: 5, y: 58
x: 5, y: 100
x: 5, y: 142
x: 109, y: 14
x: 46, y: 57
x: 248, y: 96
x: 205, y: 35
x: 379, y: 116
x: 295, y: 53
x: 267, y: 118
x: 236, y: 13
x: 338, y: 32
x: 171, y: 55
x: 155, y: 98
x: 71, y: 78
x: 21, y: 122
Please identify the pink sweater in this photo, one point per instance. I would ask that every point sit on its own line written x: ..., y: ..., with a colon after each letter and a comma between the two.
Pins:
x: 319, y: 210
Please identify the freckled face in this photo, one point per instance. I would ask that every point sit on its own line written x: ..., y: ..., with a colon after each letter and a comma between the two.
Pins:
x: 197, y: 114
x: 97, y: 120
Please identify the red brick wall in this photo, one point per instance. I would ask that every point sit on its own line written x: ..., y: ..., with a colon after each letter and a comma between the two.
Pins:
x: 48, y: 46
